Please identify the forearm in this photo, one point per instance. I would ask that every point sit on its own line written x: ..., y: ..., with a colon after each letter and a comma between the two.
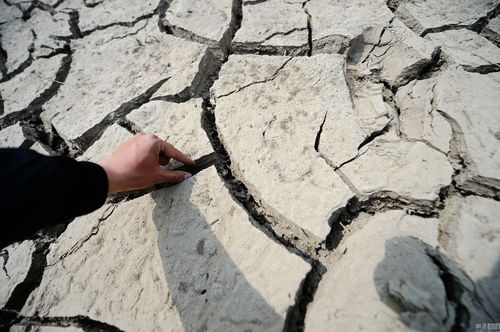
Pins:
x: 39, y: 191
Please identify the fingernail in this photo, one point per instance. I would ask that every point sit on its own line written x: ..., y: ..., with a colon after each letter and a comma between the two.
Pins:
x: 187, y: 176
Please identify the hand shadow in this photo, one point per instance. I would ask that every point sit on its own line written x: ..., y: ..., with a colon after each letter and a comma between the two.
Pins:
x: 429, y: 291
x: 209, y: 290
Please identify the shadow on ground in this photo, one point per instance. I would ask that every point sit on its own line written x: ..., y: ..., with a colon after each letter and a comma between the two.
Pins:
x: 208, y: 288
x: 430, y: 292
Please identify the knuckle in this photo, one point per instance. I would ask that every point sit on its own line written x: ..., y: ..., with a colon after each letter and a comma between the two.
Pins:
x: 162, y: 177
x: 151, y: 136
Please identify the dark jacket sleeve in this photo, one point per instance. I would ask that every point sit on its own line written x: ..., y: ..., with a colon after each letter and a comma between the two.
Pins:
x: 37, y: 191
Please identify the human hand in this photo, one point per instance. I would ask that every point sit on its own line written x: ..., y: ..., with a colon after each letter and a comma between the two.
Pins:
x: 135, y: 164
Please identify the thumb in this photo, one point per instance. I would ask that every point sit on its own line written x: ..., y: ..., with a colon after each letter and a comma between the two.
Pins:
x: 173, y: 176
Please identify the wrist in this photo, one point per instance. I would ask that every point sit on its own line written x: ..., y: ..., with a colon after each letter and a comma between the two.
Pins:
x: 113, y: 182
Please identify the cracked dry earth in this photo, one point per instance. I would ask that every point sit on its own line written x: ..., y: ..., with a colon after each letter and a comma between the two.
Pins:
x: 348, y: 170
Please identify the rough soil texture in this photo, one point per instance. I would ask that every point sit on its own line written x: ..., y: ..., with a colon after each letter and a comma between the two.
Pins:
x: 348, y: 171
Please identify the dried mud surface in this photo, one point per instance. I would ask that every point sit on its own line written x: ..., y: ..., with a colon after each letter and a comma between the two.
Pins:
x: 348, y: 164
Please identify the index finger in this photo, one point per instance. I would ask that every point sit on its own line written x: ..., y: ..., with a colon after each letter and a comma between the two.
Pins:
x: 169, y: 151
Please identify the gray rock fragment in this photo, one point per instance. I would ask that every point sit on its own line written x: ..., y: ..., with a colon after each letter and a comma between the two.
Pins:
x: 8, y: 13
x: 206, y: 21
x: 373, y: 112
x: 18, y: 43
x: 393, y: 52
x: 112, y: 137
x: 419, y: 119
x: 467, y: 48
x: 335, y: 24
x: 49, y: 30
x: 15, y: 261
x: 492, y: 31
x: 42, y: 149
x: 411, y: 170
x: 352, y: 121
x: 269, y: 111
x: 474, y: 118
x: 12, y: 136
x: 109, y: 13
x: 18, y: 92
x: 273, y: 26
x: 23, y: 5
x: 201, y: 70
x: 424, y: 16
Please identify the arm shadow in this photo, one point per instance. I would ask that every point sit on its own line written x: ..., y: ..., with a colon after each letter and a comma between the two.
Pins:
x: 209, y: 290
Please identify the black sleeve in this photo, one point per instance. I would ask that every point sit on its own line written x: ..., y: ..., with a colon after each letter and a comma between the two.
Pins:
x: 37, y: 191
